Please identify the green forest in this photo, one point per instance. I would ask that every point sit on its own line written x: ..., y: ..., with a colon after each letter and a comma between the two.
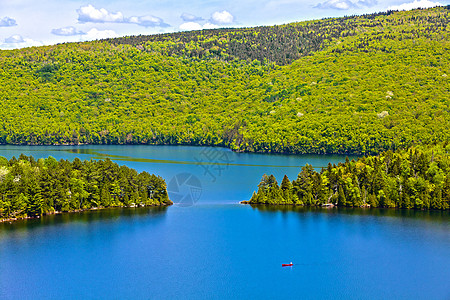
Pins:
x: 357, y: 85
x: 415, y: 178
x: 31, y: 188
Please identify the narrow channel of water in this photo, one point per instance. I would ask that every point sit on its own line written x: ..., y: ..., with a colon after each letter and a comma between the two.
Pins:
x: 223, y: 175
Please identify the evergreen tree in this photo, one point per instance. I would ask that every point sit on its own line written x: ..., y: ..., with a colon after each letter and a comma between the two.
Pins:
x: 105, y: 197
x: 33, y: 188
x: 341, y: 200
x: 286, y: 190
x: 436, y: 201
x: 372, y: 200
x: 35, y: 204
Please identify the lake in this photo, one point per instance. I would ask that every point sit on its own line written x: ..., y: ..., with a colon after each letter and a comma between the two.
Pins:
x: 221, y: 175
x: 219, y: 249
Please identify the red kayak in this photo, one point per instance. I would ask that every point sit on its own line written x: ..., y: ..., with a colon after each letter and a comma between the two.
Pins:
x: 287, y: 265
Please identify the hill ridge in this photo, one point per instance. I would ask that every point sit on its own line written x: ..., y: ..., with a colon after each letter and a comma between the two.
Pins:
x: 384, y: 87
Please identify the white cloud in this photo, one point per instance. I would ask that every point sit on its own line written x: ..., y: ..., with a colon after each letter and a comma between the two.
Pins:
x: 415, y: 4
x: 91, y: 14
x: 14, y: 39
x: 191, y: 26
x: 222, y: 17
x: 7, y: 22
x: 95, y: 34
x: 67, y: 31
x: 210, y: 26
x: 336, y: 4
x: 218, y: 19
x: 17, y: 41
x: 188, y: 26
x: 147, y: 21
x: 190, y: 17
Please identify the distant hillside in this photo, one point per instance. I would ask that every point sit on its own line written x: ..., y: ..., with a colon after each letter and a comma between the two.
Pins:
x: 358, y: 84
x: 279, y: 44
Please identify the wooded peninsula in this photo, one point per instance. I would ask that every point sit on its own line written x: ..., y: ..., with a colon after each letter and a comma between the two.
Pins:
x: 31, y: 188
x: 415, y: 178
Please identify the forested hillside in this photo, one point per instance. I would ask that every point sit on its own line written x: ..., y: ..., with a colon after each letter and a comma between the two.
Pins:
x: 30, y: 187
x: 359, y: 84
x: 278, y: 44
x: 414, y: 178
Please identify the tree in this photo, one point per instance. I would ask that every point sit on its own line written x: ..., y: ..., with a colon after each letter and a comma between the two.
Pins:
x: 286, y: 190
x: 33, y: 188
x: 35, y: 205
x: 105, y: 197
x: 341, y: 200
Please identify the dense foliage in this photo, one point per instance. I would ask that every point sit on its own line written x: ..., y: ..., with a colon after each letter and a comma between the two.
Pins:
x: 31, y: 188
x: 280, y: 44
x: 414, y: 178
x: 359, y: 84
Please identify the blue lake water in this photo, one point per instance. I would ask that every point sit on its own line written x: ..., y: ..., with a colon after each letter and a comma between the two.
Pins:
x: 220, y: 250
x: 223, y: 175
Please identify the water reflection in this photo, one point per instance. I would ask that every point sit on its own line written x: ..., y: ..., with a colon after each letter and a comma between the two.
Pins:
x: 361, y: 225
x: 435, y: 216
x: 86, y: 217
x: 171, y: 253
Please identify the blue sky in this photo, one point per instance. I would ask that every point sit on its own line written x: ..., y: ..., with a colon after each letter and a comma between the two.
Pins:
x: 26, y: 23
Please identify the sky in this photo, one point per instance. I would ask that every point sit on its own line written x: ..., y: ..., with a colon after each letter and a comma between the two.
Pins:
x: 25, y: 23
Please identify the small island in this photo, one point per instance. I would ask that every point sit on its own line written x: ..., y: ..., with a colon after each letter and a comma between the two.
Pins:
x: 30, y: 188
x: 417, y: 178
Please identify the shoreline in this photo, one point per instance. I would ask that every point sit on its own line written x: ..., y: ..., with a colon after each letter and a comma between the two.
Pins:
x: 196, y: 145
x: 10, y: 220
x: 367, y: 206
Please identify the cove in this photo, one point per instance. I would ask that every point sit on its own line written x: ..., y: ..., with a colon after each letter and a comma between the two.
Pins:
x: 223, y: 176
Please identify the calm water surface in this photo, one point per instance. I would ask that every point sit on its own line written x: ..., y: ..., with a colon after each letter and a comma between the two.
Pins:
x: 219, y: 250
x: 223, y: 175
x: 227, y: 251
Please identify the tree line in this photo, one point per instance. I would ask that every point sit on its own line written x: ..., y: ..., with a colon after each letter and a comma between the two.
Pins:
x: 279, y: 44
x: 418, y: 178
x: 378, y: 82
x: 30, y: 187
